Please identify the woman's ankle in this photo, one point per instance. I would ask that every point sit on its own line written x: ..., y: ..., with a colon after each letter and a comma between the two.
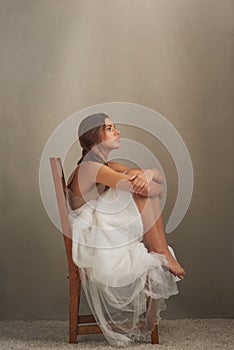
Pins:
x: 160, y: 250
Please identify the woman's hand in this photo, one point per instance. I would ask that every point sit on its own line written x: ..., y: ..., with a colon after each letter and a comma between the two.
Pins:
x: 154, y: 189
x: 141, y: 180
x: 147, y: 182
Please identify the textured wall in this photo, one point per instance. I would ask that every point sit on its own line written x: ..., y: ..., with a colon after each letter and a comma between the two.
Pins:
x: 59, y: 56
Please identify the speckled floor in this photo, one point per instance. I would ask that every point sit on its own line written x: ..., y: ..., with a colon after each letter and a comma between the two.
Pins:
x: 185, y: 334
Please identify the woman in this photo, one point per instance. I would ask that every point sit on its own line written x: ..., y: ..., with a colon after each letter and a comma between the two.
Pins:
x: 119, y: 242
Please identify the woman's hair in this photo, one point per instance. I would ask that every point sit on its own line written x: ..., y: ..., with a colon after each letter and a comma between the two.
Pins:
x: 89, y: 132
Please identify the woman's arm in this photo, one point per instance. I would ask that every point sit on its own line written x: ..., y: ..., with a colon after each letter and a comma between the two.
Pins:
x: 121, y: 167
x: 157, y: 176
x: 92, y: 172
x: 131, y: 171
x: 143, y: 178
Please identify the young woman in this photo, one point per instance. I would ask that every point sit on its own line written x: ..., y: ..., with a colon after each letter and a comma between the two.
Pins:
x: 119, y: 242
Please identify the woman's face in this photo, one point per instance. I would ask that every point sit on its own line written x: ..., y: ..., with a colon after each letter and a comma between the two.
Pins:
x: 110, y: 136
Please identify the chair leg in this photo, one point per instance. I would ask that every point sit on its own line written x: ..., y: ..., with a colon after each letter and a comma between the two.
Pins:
x: 154, y: 335
x: 152, y: 315
x: 74, y: 300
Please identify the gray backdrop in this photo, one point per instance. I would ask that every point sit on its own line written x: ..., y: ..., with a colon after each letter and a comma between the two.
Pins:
x: 59, y: 56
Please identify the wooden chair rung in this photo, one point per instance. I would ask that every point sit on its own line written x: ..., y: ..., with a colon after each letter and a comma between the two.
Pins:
x: 86, y: 319
x: 88, y: 329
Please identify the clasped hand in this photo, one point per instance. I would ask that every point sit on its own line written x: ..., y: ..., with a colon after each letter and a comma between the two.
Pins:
x: 147, y: 182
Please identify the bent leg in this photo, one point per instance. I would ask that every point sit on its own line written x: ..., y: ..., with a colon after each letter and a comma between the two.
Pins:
x: 154, y: 234
x: 151, y: 213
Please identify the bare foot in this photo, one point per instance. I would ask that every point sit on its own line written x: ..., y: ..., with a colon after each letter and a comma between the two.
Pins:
x: 173, y: 266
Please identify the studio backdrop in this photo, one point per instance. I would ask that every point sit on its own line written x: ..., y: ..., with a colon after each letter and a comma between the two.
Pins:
x: 59, y: 57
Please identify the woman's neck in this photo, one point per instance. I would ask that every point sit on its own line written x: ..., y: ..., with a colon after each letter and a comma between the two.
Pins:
x: 103, y: 154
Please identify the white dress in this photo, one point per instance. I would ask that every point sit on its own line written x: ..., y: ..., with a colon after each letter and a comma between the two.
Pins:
x: 118, y: 273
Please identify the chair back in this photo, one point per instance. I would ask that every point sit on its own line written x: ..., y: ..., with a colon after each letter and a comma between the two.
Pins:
x: 60, y: 190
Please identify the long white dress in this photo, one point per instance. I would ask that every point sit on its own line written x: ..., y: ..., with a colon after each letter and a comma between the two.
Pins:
x: 118, y: 273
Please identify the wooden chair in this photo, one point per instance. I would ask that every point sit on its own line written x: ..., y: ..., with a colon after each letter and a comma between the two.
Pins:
x: 78, y: 324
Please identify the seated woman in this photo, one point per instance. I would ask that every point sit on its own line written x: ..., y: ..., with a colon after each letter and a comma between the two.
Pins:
x: 119, y: 242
